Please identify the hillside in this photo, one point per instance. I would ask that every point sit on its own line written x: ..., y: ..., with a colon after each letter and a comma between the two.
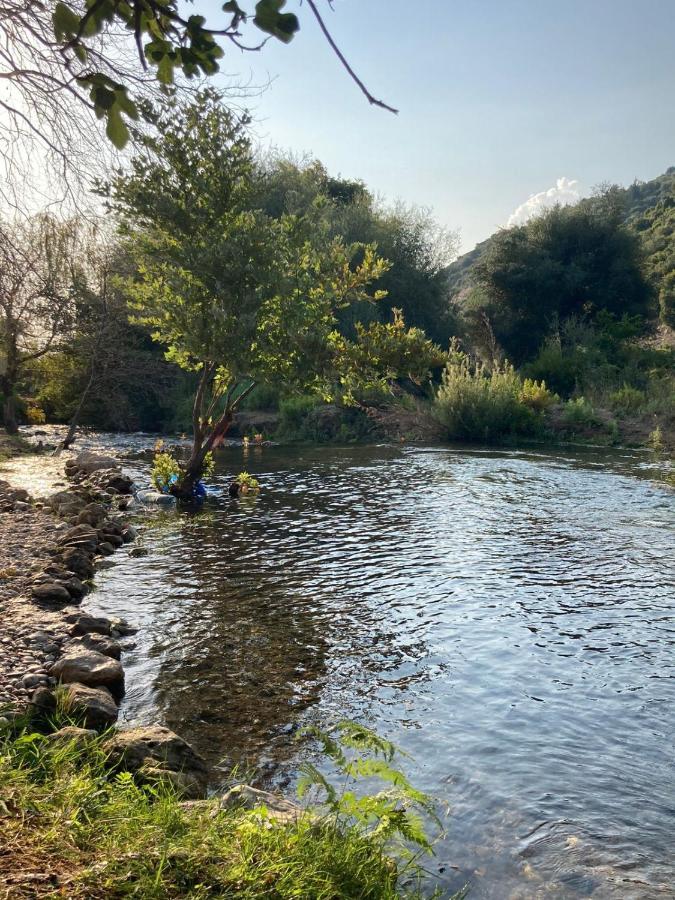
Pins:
x: 650, y: 210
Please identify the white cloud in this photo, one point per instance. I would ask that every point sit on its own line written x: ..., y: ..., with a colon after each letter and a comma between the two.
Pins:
x: 565, y: 192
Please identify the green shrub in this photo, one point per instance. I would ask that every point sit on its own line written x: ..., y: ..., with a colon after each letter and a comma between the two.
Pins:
x: 627, y: 400
x: 305, y: 419
x: 536, y: 396
x: 475, y: 404
x: 580, y: 413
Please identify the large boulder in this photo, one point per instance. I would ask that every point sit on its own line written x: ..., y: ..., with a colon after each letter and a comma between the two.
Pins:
x: 154, y: 753
x: 72, y: 735
x: 93, y: 706
x: 85, y: 666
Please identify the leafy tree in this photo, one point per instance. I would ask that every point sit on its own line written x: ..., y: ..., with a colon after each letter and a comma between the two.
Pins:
x: 417, y: 248
x: 35, y: 299
x: 234, y: 294
x: 570, y: 261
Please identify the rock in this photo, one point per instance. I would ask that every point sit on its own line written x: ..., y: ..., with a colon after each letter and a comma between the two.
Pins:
x: 93, y: 706
x: 106, y: 548
x: 67, y: 503
x: 278, y: 808
x: 71, y: 734
x: 154, y: 753
x: 75, y: 587
x: 77, y: 562
x: 85, y: 624
x: 50, y: 592
x: 155, y: 497
x: 88, y: 667
x: 99, y: 642
x: 129, y: 534
x: 81, y: 536
x: 114, y: 539
x: 122, y: 627
x: 91, y: 462
x: 44, y: 701
x: 138, y: 552
x: 120, y: 484
x: 93, y: 514
x: 32, y: 680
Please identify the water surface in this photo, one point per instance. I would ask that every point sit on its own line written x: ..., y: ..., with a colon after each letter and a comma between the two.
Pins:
x: 508, y: 618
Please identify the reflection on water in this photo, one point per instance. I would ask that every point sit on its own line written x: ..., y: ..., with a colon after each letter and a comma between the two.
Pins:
x: 507, y: 618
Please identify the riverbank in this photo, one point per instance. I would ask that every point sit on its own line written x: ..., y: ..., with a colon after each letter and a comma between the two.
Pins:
x: 89, y: 811
x: 69, y: 827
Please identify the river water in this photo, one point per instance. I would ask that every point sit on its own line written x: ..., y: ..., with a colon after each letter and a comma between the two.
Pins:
x: 507, y: 618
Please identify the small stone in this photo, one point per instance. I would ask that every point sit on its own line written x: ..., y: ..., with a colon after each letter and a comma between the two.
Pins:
x: 33, y: 680
x: 137, y: 552
x: 106, y: 548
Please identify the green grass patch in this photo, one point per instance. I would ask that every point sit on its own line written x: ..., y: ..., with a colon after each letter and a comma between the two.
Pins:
x: 71, y: 828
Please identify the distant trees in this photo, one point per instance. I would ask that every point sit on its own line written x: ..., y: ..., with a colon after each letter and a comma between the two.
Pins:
x: 573, y: 261
x: 235, y: 295
x: 35, y: 299
x: 418, y: 250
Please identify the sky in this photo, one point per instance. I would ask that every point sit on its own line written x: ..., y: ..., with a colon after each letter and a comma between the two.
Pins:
x: 500, y: 100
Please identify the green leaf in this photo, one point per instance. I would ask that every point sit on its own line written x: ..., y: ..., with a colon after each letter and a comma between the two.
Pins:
x: 270, y: 19
x: 165, y: 70
x: 66, y: 22
x: 116, y: 128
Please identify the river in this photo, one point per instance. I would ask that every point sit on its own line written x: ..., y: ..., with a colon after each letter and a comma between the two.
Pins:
x: 507, y: 618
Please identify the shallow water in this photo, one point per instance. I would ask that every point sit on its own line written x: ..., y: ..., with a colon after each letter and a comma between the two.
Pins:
x: 508, y: 618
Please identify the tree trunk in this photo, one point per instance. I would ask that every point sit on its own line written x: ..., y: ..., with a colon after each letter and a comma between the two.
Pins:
x: 75, y: 421
x: 8, y: 386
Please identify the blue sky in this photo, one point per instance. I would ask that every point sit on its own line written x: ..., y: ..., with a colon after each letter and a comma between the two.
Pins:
x: 498, y: 99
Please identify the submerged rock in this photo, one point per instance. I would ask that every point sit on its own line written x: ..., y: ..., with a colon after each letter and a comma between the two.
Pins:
x: 154, y: 753
x: 156, y: 498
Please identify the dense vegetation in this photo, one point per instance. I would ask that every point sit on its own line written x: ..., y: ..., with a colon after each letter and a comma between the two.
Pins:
x: 70, y: 825
x: 278, y: 287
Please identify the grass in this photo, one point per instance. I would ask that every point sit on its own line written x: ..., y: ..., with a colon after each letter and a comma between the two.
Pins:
x: 70, y: 828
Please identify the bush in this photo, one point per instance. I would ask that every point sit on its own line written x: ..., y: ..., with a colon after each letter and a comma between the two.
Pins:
x: 475, y: 404
x: 306, y: 420
x: 627, y: 400
x: 580, y: 413
x: 536, y: 396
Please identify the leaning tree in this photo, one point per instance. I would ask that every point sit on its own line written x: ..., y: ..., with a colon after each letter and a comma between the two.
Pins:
x: 236, y: 295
